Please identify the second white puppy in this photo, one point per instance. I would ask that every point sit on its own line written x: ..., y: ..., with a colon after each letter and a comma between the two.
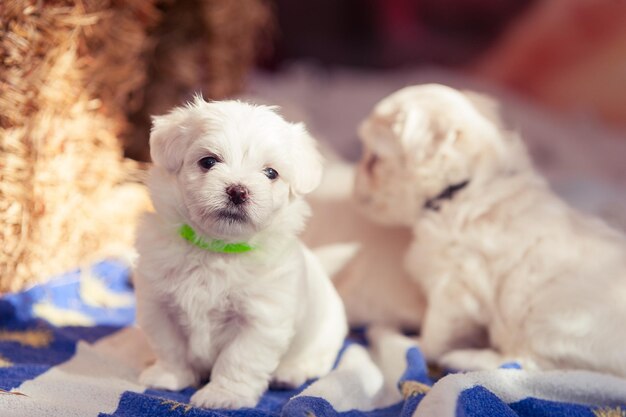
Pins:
x: 509, y: 270
x: 224, y: 286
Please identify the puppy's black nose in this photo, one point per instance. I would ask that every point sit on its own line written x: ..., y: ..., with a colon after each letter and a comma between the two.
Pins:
x: 238, y: 194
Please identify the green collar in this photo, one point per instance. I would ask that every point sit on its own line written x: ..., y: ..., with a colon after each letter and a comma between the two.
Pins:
x: 219, y: 246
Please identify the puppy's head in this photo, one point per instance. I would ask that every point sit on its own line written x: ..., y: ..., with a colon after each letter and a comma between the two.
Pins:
x: 423, y: 139
x: 234, y: 165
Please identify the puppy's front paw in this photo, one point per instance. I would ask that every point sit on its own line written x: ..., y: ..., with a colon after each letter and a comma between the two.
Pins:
x: 214, y: 396
x: 160, y: 377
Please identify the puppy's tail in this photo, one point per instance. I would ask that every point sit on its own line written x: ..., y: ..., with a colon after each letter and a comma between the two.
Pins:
x: 336, y: 256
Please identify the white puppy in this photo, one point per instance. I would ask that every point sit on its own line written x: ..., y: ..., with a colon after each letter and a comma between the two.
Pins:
x: 224, y: 286
x: 508, y: 269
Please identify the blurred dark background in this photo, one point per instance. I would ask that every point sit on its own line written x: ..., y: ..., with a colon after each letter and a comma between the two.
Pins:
x: 389, y: 33
x: 567, y: 55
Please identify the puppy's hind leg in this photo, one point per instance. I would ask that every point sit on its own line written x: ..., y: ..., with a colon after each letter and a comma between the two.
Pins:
x: 294, y: 371
x: 312, y: 358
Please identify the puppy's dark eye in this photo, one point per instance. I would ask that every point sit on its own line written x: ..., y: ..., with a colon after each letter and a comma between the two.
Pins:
x: 207, y: 162
x: 270, y: 173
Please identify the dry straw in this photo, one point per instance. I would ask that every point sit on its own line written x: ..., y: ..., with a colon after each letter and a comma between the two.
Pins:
x: 70, y: 74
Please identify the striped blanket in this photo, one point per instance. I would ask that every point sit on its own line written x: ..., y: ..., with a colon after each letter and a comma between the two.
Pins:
x: 69, y: 348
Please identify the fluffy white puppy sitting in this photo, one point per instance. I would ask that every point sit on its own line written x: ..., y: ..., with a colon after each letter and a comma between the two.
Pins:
x: 224, y: 286
x: 510, y: 272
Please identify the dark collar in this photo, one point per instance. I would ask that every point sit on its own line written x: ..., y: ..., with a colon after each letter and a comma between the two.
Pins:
x: 447, y: 194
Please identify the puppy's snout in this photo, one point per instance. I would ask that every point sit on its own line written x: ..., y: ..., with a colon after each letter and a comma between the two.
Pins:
x: 238, y: 194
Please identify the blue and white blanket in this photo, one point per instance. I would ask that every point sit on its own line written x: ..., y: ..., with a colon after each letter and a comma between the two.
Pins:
x: 90, y: 368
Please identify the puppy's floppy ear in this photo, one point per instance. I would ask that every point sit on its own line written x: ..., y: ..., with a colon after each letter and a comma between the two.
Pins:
x: 307, y: 161
x: 165, y: 136
x: 167, y: 140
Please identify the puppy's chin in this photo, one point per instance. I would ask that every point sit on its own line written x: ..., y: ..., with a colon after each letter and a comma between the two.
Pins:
x: 225, y: 223
x: 232, y: 216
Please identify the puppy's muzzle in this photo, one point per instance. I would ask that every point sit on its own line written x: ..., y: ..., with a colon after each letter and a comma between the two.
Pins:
x: 238, y: 194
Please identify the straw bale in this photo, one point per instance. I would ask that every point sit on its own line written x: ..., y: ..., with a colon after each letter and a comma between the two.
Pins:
x: 67, y: 70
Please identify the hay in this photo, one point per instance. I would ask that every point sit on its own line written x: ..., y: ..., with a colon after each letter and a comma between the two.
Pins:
x: 73, y: 78
x: 67, y: 71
